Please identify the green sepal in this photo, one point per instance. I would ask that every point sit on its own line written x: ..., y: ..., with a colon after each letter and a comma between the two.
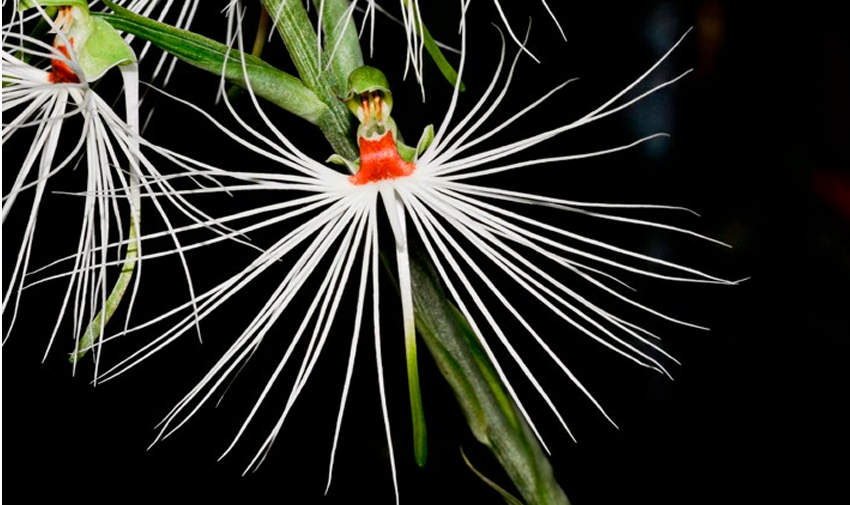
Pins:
x: 266, y: 81
x: 406, y: 152
x: 425, y: 140
x: 409, y: 154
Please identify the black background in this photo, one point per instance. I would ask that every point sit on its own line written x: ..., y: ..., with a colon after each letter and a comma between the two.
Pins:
x: 758, y: 148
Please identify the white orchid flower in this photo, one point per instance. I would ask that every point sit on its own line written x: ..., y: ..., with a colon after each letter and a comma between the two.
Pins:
x: 435, y: 197
x: 58, y: 105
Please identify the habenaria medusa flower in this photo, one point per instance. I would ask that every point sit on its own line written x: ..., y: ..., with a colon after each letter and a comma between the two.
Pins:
x: 48, y: 92
x: 431, y: 191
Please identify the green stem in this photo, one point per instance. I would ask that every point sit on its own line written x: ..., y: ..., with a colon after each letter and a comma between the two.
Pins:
x: 301, y: 41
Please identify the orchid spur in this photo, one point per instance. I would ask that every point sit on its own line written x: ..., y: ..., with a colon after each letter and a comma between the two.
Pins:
x: 429, y: 196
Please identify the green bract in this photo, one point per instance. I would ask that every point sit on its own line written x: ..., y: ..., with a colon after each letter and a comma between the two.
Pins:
x: 97, y: 45
x: 104, y: 49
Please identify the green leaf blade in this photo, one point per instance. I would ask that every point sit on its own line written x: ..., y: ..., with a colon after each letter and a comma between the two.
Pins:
x: 266, y: 81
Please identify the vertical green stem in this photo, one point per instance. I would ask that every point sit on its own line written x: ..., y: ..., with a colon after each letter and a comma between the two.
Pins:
x: 301, y: 41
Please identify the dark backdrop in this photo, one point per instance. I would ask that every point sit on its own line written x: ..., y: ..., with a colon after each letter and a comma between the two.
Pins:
x: 758, y: 148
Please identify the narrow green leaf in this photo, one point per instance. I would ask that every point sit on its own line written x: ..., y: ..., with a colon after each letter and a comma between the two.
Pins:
x: 490, y: 412
x: 268, y: 82
x: 436, y: 54
x: 443, y: 64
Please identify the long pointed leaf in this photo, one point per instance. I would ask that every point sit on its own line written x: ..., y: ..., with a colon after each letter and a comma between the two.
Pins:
x: 268, y: 82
